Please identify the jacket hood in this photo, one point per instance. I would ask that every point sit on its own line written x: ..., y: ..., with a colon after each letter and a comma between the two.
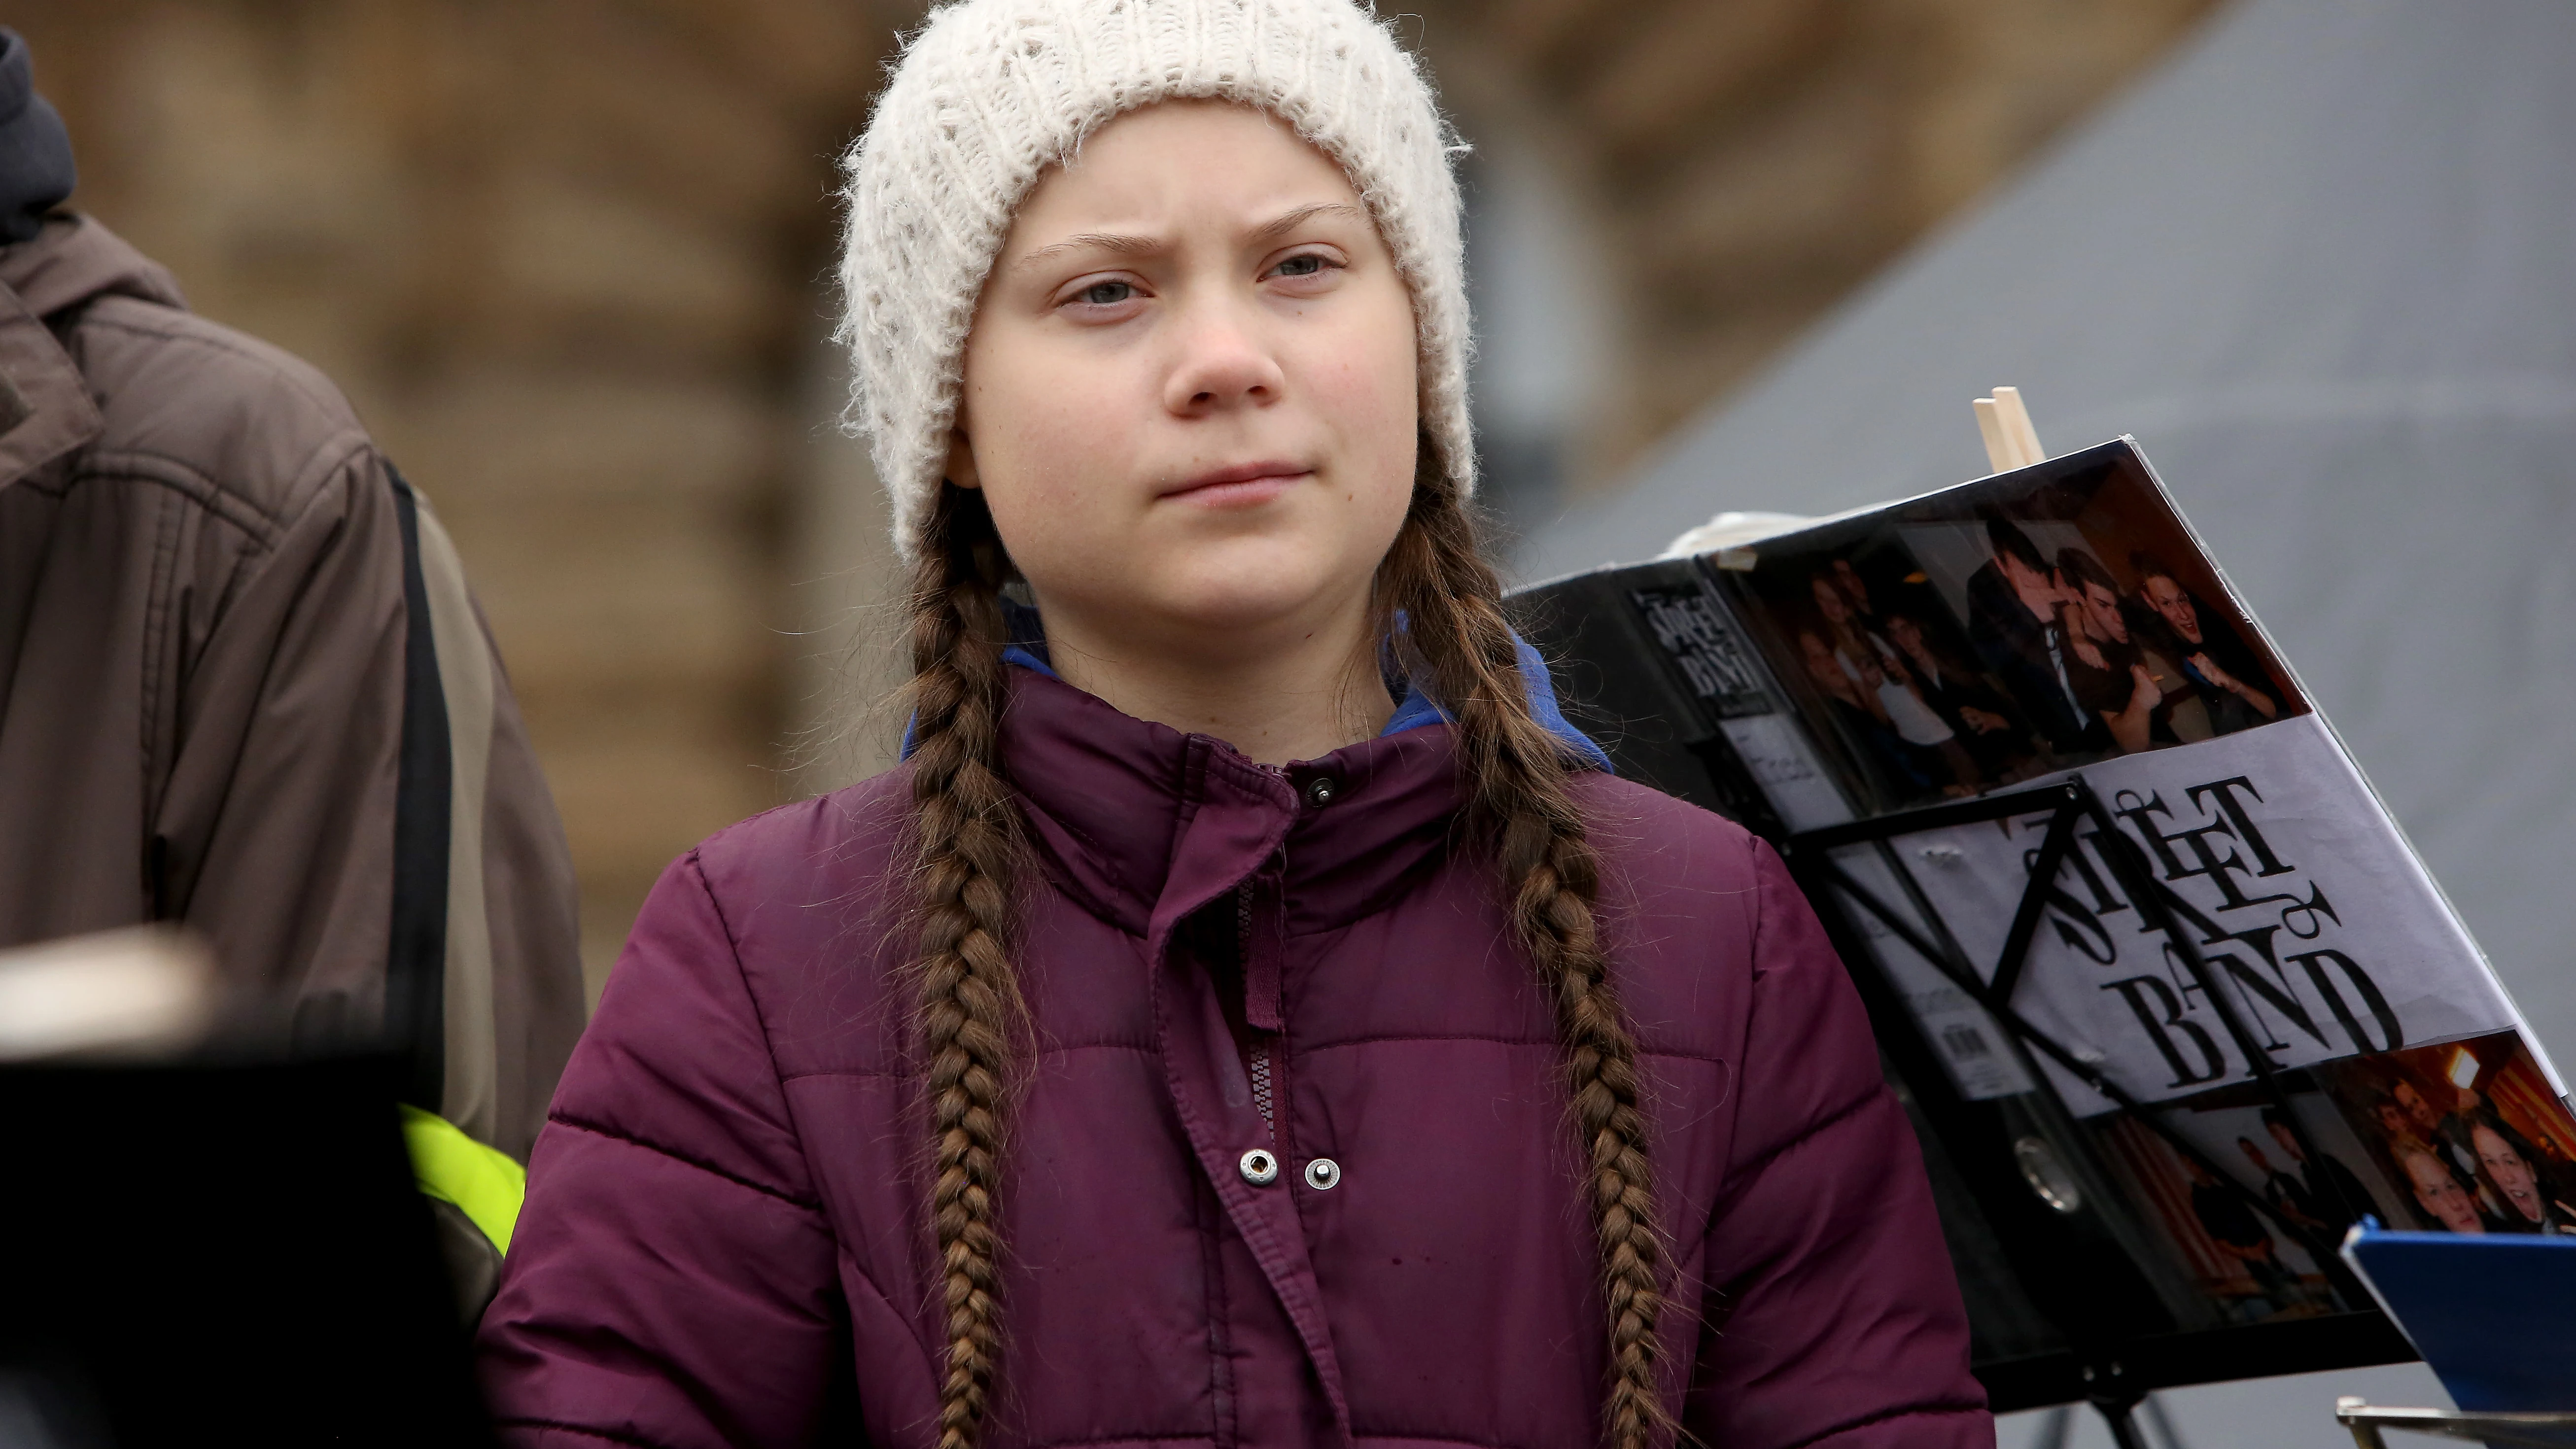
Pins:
x: 45, y: 408
x: 74, y: 259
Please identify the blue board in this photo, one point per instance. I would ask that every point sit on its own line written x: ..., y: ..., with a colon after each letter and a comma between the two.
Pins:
x: 2494, y: 1314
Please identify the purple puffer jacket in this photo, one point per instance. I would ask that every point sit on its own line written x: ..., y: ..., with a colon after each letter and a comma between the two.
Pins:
x: 724, y: 1241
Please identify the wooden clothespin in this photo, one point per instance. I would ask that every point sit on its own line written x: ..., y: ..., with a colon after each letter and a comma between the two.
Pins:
x: 2011, y: 442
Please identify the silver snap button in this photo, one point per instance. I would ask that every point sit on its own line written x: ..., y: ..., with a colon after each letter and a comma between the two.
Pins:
x: 1259, y: 1167
x: 1323, y: 1174
x: 1320, y: 792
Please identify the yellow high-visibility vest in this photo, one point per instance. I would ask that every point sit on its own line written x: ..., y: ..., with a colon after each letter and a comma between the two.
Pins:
x: 481, y: 1182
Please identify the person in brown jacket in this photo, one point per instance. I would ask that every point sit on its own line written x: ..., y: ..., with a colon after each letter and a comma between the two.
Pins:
x: 243, y: 687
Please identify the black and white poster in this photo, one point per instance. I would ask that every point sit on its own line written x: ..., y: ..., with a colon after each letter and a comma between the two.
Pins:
x: 2279, y: 864
x: 2064, y: 624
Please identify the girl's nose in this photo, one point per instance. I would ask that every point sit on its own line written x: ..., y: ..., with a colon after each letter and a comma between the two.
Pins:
x: 1222, y: 364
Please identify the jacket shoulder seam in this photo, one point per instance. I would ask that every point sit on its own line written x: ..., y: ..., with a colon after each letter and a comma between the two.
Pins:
x: 213, y: 337
x: 565, y: 1119
x: 1812, y: 1131
x: 223, y: 501
x: 189, y: 481
x: 760, y: 1017
x: 733, y: 948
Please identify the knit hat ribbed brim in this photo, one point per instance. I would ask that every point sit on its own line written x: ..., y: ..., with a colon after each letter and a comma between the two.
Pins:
x: 991, y: 92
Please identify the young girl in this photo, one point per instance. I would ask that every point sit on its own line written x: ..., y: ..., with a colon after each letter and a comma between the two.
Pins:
x: 1250, y: 1016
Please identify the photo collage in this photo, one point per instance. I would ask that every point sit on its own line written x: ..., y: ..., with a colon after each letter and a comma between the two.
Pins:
x: 1993, y: 633
x: 2064, y: 617
x: 2460, y: 1137
x: 2469, y: 1132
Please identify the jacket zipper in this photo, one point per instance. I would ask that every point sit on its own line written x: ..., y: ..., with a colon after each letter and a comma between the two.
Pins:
x: 1261, y: 1044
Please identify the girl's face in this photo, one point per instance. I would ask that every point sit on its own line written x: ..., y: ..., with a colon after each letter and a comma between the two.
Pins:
x: 1829, y: 600
x: 2441, y: 1194
x: 1190, y: 395
x: 2512, y: 1175
x: 1822, y: 666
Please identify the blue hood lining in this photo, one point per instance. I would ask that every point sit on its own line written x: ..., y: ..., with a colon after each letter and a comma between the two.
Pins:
x: 1414, y: 706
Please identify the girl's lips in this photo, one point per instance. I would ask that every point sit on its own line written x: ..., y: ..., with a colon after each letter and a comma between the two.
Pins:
x: 1241, y: 487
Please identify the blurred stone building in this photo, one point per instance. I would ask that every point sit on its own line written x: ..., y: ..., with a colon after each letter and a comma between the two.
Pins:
x: 569, y: 258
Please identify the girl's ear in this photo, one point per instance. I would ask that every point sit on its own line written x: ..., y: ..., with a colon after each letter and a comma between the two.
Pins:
x: 960, y: 467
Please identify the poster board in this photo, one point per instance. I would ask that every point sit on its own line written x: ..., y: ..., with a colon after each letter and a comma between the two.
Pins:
x: 2168, y: 996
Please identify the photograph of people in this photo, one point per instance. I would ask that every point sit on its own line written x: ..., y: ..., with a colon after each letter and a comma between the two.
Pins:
x: 2233, y: 686
x: 2108, y: 673
x: 2286, y: 1194
x: 2238, y: 1231
x: 2439, y: 1190
x: 1921, y: 746
x: 2333, y: 1194
x: 955, y: 1106
x: 1859, y: 714
x: 2528, y: 1206
x: 1982, y: 719
x: 1855, y: 589
x: 2412, y: 1130
x: 2394, y: 1124
x: 2501, y: 1142
x: 2446, y: 1132
x: 2016, y: 624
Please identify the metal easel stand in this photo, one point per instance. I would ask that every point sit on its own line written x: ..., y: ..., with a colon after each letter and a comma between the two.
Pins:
x: 2120, y: 1416
x: 2057, y: 1431
x: 2553, y: 1430
x: 2070, y: 806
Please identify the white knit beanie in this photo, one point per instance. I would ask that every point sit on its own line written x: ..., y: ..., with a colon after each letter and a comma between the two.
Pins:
x: 991, y: 92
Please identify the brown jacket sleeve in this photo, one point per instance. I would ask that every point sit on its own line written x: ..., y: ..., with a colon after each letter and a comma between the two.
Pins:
x: 243, y: 686
x: 353, y: 814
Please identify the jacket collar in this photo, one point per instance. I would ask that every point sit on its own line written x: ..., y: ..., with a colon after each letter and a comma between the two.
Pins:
x: 1414, y: 706
x: 45, y: 408
x: 1110, y: 800
x: 74, y: 259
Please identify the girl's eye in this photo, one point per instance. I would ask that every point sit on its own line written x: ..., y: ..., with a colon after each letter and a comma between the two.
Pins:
x: 1105, y: 294
x: 1300, y: 266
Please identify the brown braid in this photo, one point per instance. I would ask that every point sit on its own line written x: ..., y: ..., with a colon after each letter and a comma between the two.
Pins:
x: 966, y: 834
x: 967, y: 831
x: 1522, y: 807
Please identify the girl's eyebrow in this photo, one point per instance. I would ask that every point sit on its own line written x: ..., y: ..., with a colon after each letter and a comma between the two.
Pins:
x: 1287, y: 222
x: 1135, y: 246
x: 1127, y: 245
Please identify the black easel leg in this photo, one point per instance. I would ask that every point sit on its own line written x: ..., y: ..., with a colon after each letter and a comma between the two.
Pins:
x: 2121, y: 1416
x: 2154, y: 1408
